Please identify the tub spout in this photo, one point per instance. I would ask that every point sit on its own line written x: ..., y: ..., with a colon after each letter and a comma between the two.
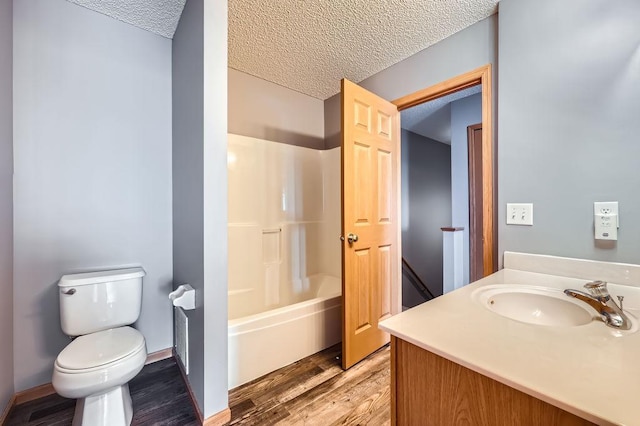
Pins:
x: 600, y: 300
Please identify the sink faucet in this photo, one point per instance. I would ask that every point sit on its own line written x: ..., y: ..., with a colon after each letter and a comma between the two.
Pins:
x: 600, y: 300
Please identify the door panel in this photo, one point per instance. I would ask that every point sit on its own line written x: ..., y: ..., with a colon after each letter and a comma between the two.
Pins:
x: 385, y: 186
x: 370, y: 210
x: 362, y: 281
x: 362, y: 166
x: 384, y: 276
x: 384, y: 125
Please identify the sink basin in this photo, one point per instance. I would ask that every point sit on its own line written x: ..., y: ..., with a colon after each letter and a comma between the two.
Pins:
x: 534, y: 305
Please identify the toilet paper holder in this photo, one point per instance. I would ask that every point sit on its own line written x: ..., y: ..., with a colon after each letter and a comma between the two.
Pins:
x: 184, y: 296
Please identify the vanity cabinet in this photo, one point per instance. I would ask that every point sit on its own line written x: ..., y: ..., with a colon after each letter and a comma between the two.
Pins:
x: 427, y: 389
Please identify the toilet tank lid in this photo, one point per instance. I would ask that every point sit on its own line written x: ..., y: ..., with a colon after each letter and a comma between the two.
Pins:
x: 86, y: 278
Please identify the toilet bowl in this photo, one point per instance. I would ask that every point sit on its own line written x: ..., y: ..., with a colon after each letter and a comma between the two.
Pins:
x: 95, y: 369
x: 96, y: 308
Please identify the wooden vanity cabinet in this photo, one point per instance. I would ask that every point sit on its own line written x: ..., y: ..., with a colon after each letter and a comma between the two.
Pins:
x: 427, y: 389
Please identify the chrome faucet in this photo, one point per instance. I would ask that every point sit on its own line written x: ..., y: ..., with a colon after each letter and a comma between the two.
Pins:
x: 600, y: 300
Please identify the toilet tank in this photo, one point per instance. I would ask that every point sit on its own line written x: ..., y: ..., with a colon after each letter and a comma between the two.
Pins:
x: 95, y: 301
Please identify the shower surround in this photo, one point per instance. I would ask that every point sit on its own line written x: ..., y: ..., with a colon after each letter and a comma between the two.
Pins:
x: 284, y: 254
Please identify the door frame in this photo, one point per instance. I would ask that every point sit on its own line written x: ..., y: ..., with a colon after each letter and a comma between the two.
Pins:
x: 476, y: 271
x: 480, y: 76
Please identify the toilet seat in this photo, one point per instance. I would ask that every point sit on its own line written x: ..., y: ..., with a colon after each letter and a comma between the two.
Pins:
x: 112, y: 368
x: 98, y: 350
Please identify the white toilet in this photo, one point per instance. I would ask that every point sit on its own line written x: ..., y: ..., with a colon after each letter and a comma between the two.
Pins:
x: 96, y: 366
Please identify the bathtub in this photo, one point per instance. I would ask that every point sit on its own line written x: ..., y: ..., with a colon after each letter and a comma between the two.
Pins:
x: 264, y: 342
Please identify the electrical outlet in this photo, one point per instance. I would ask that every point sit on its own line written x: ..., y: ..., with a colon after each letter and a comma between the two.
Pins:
x: 606, y: 220
x: 606, y: 208
x: 520, y: 214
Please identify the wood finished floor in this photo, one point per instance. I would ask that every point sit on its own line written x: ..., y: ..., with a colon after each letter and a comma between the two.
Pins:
x: 312, y: 391
x: 159, y: 397
x: 316, y: 391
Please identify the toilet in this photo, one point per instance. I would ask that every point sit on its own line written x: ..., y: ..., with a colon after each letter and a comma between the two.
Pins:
x: 96, y: 310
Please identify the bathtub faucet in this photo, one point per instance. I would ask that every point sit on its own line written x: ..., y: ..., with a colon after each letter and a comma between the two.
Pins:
x: 600, y: 300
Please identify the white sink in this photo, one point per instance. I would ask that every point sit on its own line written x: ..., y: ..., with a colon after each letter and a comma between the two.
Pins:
x: 534, y: 305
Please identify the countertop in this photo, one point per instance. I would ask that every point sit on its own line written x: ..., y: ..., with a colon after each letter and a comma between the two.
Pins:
x: 591, y: 370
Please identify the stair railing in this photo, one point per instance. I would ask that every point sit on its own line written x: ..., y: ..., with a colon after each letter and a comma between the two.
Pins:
x: 416, y: 281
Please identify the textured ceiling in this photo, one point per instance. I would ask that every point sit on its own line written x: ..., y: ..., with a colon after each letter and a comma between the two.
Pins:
x: 158, y: 16
x: 433, y: 119
x: 309, y: 45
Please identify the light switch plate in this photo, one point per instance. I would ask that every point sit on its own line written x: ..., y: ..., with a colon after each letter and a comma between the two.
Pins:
x: 520, y: 214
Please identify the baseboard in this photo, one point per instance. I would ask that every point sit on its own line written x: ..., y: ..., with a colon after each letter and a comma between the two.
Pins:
x: 192, y: 397
x: 159, y: 356
x: 47, y: 389
x: 34, y: 393
x: 218, y: 419
x: 7, y: 410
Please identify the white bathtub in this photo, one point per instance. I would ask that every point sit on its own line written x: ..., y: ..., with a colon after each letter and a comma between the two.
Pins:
x: 264, y: 342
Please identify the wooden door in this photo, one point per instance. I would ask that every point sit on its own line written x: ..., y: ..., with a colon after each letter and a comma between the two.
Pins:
x: 370, y: 213
x: 476, y: 252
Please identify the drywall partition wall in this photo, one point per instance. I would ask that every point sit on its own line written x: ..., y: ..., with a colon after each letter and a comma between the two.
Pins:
x: 200, y: 192
x: 6, y: 202
x: 92, y: 157
x: 464, y: 51
x: 426, y: 207
x: 569, y: 136
x: 188, y: 177
x: 464, y: 113
x: 265, y: 110
x: 215, y: 207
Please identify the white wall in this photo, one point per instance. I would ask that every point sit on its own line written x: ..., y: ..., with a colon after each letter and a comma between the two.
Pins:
x: 464, y: 112
x: 6, y: 202
x: 200, y: 192
x: 265, y: 110
x: 92, y: 157
x: 568, y: 124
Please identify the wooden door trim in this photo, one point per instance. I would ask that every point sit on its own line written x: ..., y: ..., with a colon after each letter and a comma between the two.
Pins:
x: 480, y: 76
x: 476, y: 271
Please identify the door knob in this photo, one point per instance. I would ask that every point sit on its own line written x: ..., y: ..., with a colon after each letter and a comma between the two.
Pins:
x: 352, y: 238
